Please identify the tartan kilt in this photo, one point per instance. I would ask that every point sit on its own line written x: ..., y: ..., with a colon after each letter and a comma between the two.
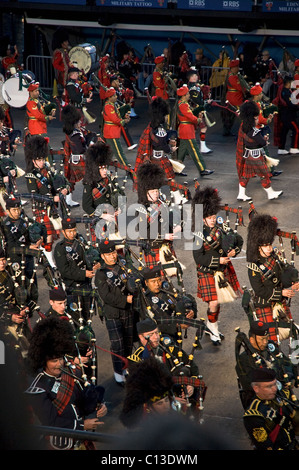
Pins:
x: 165, y: 164
x: 74, y: 172
x: 153, y: 258
x: 42, y: 217
x: 255, y: 166
x: 265, y: 314
x: 206, y: 286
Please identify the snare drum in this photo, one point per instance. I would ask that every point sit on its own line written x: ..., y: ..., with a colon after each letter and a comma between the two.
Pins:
x: 84, y: 56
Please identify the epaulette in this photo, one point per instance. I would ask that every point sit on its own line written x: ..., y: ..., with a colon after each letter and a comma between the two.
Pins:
x: 253, y: 410
x: 30, y: 175
x: 253, y: 267
x: 136, y: 356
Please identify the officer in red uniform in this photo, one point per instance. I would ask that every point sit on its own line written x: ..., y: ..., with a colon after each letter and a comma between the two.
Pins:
x: 159, y: 81
x: 37, y: 118
x: 113, y: 123
x: 61, y: 60
x: 235, y: 95
x: 186, y: 132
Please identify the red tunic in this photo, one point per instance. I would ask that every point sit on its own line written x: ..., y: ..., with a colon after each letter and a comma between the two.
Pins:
x: 234, y: 94
x: 61, y: 63
x: 187, y: 121
x: 104, y: 77
x: 112, y: 122
x: 160, y: 85
x: 37, y: 120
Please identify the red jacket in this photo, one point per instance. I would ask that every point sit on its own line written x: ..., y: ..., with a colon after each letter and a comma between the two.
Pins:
x: 61, y: 63
x: 37, y: 120
x: 234, y: 94
x: 187, y: 121
x: 160, y: 85
x: 112, y: 122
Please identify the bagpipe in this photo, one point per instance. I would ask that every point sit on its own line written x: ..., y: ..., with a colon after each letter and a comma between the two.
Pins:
x: 229, y: 235
x: 287, y: 371
x: 268, y: 109
x: 23, y: 286
x: 228, y: 107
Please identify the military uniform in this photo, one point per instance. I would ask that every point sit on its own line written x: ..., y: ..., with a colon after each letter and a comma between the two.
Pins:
x: 187, y: 124
x: 159, y: 81
x: 113, y: 122
x: 271, y: 424
x: 71, y: 262
x: 253, y: 357
x: 267, y: 277
x: 77, y: 140
x: 58, y: 400
x: 111, y: 282
x: 216, y: 281
x: 235, y: 95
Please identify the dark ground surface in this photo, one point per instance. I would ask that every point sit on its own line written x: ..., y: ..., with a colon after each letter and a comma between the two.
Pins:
x: 222, y: 407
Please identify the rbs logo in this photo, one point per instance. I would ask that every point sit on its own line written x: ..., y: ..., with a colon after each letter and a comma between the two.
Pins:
x: 231, y: 4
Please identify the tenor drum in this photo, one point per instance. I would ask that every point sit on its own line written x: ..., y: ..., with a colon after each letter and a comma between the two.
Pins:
x: 84, y: 56
x: 12, y: 94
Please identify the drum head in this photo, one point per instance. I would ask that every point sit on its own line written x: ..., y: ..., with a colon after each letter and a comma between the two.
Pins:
x: 81, y: 58
x: 12, y: 95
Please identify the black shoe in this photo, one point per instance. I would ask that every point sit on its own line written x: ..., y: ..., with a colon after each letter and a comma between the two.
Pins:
x: 181, y: 174
x: 277, y: 172
x: 206, y: 172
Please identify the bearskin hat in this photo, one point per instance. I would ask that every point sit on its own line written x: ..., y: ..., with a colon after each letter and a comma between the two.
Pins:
x: 261, y: 231
x: 209, y: 198
x: 99, y: 154
x: 146, y: 380
x: 70, y: 117
x: 149, y: 176
x: 159, y: 108
x: 36, y: 147
x: 51, y: 338
x: 248, y: 111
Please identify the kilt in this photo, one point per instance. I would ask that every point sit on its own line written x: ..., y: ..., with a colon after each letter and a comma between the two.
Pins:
x: 120, y: 332
x: 42, y: 217
x: 265, y: 314
x: 165, y: 164
x: 255, y: 166
x: 74, y: 172
x: 206, y: 287
x: 153, y: 258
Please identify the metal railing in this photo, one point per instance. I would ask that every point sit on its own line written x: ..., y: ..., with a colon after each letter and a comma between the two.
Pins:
x: 42, y: 68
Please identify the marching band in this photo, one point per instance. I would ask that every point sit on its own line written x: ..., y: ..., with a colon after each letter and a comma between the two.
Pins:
x: 139, y: 294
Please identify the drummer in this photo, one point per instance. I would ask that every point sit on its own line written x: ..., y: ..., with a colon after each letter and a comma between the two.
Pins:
x: 37, y: 117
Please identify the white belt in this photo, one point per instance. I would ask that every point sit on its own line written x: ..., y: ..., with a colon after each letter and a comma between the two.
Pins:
x: 75, y: 159
x: 254, y: 153
x: 158, y: 153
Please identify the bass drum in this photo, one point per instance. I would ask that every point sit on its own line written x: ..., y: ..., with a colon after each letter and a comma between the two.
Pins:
x: 12, y: 94
x: 84, y: 56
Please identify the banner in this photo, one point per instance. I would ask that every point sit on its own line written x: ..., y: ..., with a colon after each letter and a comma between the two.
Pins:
x: 280, y: 6
x: 133, y: 3
x: 60, y: 2
x: 218, y: 5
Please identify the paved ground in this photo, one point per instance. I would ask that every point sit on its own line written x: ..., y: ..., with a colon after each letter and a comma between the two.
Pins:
x: 222, y: 408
